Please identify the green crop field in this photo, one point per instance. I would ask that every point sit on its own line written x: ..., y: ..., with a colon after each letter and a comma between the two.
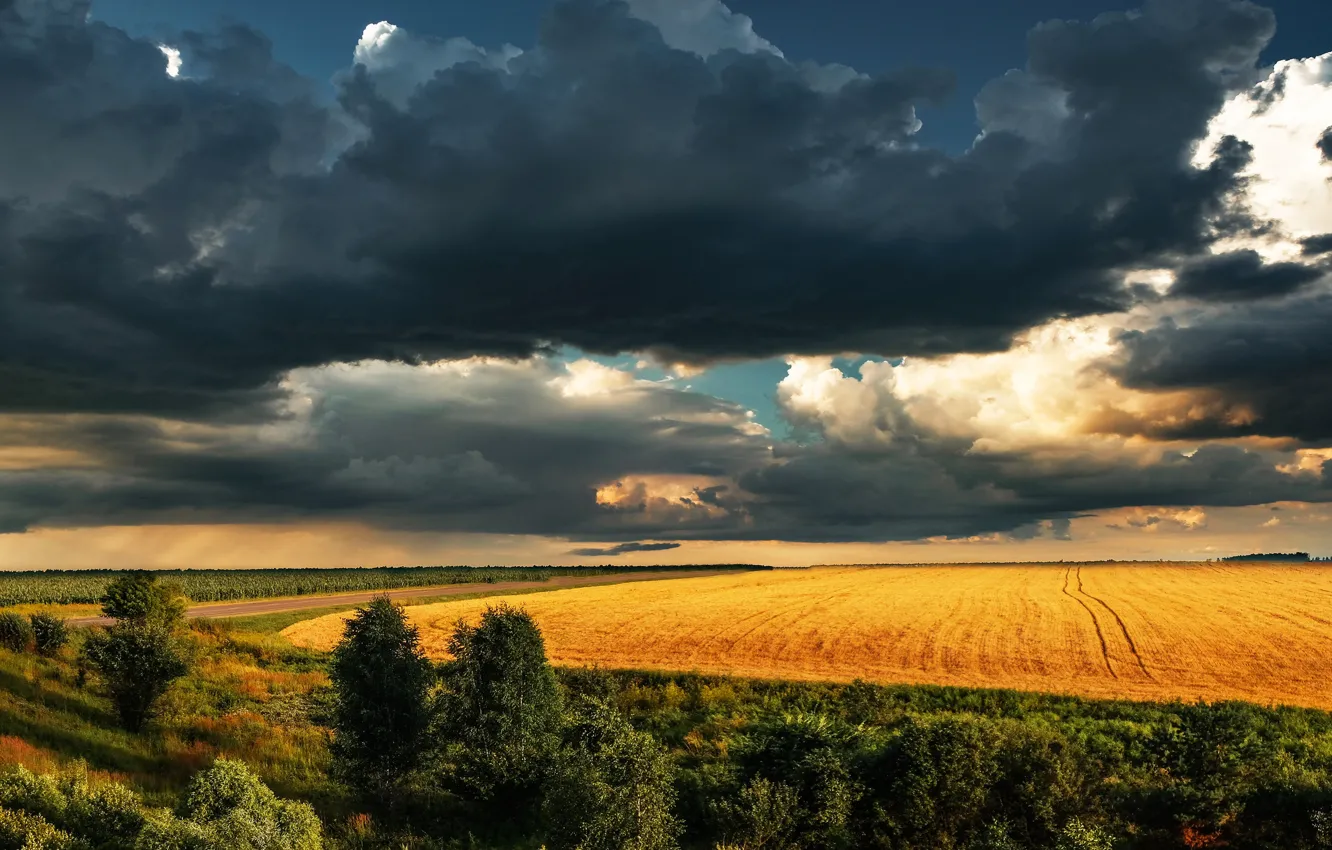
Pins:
x: 71, y: 587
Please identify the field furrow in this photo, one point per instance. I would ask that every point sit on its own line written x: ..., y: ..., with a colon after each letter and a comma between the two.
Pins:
x: 1153, y: 631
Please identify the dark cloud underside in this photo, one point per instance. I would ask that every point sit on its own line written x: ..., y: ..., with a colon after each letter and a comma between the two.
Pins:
x: 176, y: 245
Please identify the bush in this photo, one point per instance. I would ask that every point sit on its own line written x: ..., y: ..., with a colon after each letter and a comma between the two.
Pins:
x: 225, y: 808
x: 1077, y: 835
x: 500, y: 709
x: 49, y: 633
x: 137, y: 663
x: 23, y: 831
x: 381, y: 678
x: 230, y: 802
x: 611, y: 787
x: 763, y: 814
x: 15, y: 632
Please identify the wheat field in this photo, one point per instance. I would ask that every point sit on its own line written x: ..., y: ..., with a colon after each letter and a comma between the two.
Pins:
x: 1257, y: 632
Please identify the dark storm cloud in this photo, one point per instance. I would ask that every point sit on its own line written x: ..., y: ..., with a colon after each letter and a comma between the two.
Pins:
x: 1313, y: 246
x: 175, y: 246
x: 830, y: 495
x: 507, y: 449
x: 1325, y: 144
x: 1275, y: 360
x: 1241, y: 276
x: 488, y: 448
x: 623, y: 549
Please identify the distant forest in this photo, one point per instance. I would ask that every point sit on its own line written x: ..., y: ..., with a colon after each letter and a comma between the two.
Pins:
x: 1273, y: 556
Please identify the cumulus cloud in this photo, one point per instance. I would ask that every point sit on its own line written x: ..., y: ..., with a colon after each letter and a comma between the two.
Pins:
x: 476, y: 445
x: 400, y: 61
x: 193, y: 247
x: 177, y: 245
x: 705, y: 27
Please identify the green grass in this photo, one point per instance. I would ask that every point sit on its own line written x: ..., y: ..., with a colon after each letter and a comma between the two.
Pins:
x: 250, y: 696
x: 69, y: 587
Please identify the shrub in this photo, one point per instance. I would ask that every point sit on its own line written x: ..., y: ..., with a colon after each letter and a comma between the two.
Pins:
x: 23, y: 790
x: 764, y: 814
x: 1077, y: 835
x: 225, y: 808
x: 230, y: 802
x: 137, y: 663
x: 381, y: 678
x: 611, y: 787
x: 15, y: 631
x: 49, y: 633
x: 500, y: 709
x: 23, y: 831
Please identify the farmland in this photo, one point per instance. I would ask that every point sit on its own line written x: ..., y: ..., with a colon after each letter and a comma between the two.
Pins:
x: 1192, y: 631
x: 74, y: 587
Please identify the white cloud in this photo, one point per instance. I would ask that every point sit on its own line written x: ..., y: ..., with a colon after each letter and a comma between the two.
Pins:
x: 1046, y: 395
x: 172, y: 59
x: 1282, y: 118
x: 704, y: 27
x: 399, y: 61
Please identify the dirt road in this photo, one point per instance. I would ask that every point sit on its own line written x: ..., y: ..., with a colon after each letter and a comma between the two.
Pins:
x: 251, y: 607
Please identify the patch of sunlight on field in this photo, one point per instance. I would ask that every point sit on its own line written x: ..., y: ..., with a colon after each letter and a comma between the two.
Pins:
x: 1258, y: 632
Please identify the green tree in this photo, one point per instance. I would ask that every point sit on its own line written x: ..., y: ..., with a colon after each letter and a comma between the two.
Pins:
x: 137, y: 596
x: 49, y: 633
x: 500, y: 707
x: 137, y: 664
x: 934, y: 784
x: 611, y: 788
x: 382, y: 681
x: 808, y: 756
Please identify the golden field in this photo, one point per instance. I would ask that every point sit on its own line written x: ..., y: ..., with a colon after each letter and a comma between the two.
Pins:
x: 1258, y: 632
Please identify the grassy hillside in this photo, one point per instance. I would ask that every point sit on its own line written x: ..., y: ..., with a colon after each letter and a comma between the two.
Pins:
x: 1153, y: 775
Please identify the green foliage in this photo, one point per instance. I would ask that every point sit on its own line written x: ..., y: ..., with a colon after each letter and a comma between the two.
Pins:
x: 500, y: 707
x: 934, y: 782
x: 225, y: 808
x: 49, y: 632
x: 1212, y: 752
x: 995, y: 835
x: 1077, y: 835
x: 138, y: 597
x: 763, y: 815
x: 137, y: 663
x: 381, y: 678
x: 15, y: 632
x: 809, y: 757
x: 231, y: 803
x: 65, y: 587
x: 610, y: 788
x: 23, y: 831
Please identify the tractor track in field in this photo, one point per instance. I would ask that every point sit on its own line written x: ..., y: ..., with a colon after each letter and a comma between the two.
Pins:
x: 1128, y: 638
x: 1105, y: 649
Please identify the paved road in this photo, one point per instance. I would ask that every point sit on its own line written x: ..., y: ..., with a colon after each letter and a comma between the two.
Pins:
x: 251, y: 607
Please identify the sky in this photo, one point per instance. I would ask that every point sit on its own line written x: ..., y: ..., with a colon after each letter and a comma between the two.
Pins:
x: 663, y: 281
